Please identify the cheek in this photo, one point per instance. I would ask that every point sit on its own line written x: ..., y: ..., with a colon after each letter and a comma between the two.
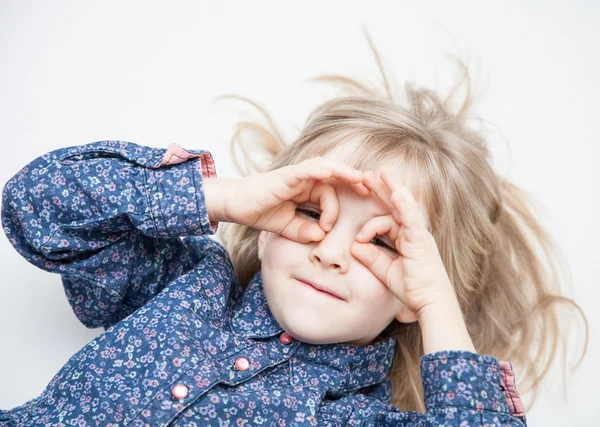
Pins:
x: 279, y: 251
x: 374, y: 295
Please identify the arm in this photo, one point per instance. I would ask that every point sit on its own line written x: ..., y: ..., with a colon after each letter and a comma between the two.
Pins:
x: 442, y: 324
x: 461, y: 388
x: 479, y: 389
x: 108, y: 217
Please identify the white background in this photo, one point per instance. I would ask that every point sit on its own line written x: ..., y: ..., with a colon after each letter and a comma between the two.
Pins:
x: 147, y: 72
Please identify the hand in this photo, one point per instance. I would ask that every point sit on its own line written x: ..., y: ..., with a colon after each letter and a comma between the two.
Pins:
x: 268, y: 201
x: 416, y: 276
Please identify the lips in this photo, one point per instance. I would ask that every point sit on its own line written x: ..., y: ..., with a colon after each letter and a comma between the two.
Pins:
x: 321, y: 288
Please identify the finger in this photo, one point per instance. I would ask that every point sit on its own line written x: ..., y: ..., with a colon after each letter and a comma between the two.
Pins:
x: 348, y: 174
x: 377, y: 186
x: 361, y: 189
x: 341, y: 171
x: 331, y: 169
x: 407, y: 210
x: 284, y: 221
x: 374, y: 259
x: 377, y: 258
x: 303, y: 231
x: 321, y: 168
x: 411, y: 219
x: 379, y: 226
x: 326, y: 196
x: 390, y: 179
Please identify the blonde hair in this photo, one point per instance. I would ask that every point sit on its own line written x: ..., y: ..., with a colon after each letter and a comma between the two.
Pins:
x: 485, y: 226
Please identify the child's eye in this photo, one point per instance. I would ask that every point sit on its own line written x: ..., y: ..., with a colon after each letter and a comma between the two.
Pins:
x: 383, y: 244
x: 316, y: 215
x: 308, y: 212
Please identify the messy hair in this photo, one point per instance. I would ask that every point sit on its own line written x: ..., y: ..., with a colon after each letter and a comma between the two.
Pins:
x: 508, y: 274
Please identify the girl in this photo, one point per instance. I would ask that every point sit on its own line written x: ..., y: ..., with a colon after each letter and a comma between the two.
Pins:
x: 375, y: 274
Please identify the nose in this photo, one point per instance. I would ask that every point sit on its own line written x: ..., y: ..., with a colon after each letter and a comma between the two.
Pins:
x: 333, y: 251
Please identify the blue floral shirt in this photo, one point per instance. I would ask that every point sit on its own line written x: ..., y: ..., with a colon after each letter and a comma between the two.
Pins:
x: 127, y: 229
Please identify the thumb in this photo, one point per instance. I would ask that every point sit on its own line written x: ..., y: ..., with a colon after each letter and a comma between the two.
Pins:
x: 303, y: 231
x: 374, y: 259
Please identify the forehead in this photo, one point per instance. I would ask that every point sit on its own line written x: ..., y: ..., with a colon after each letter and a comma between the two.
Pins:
x: 354, y: 154
x: 350, y: 153
x: 371, y: 204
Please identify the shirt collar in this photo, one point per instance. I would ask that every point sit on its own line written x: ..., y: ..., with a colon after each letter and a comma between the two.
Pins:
x: 341, y: 367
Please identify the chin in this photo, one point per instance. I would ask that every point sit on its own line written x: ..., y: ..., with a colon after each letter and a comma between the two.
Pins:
x: 310, y: 333
x: 317, y: 339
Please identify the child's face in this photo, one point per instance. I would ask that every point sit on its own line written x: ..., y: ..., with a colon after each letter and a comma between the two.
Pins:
x: 366, y: 306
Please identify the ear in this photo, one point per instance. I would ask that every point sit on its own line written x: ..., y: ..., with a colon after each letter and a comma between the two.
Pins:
x: 262, y: 238
x: 405, y: 315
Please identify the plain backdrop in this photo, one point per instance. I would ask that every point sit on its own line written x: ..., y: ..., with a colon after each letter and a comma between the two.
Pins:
x: 74, y: 72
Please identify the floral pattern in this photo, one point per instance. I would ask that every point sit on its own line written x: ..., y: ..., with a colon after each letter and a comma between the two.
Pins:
x: 127, y: 229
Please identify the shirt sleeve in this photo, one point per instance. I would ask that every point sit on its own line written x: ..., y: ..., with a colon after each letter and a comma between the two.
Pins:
x: 108, y: 217
x: 461, y: 388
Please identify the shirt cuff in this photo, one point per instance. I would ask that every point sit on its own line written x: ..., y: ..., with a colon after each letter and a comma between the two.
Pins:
x: 176, y: 192
x: 470, y: 380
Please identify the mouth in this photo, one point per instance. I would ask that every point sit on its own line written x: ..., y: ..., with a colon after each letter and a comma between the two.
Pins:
x: 320, y: 290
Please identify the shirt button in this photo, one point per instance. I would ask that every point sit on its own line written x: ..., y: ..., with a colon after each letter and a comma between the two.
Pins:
x: 180, y: 391
x: 242, y: 363
x: 285, y: 338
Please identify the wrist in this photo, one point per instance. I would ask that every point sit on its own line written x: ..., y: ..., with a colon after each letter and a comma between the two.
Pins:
x: 443, y: 326
x: 439, y: 297
x: 443, y: 299
x: 216, y: 196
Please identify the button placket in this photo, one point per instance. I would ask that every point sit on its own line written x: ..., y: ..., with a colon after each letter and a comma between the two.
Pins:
x: 168, y: 403
x: 285, y: 338
x: 242, y: 364
x: 180, y: 391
